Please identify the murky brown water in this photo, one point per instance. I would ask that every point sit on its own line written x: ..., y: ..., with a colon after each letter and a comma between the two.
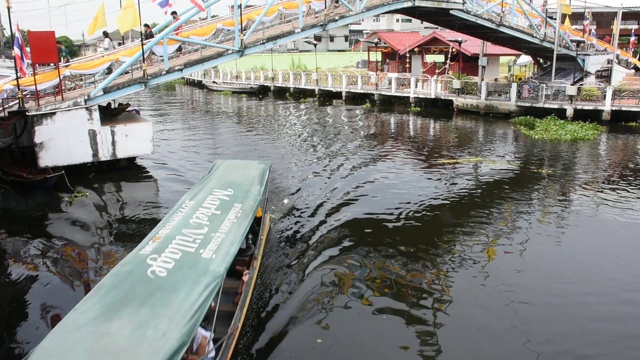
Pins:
x: 380, y: 249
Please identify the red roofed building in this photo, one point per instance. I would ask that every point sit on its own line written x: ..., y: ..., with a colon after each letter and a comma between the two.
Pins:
x: 403, y: 52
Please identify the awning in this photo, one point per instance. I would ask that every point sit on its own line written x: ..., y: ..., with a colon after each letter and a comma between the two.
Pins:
x: 149, y: 305
x: 524, y: 60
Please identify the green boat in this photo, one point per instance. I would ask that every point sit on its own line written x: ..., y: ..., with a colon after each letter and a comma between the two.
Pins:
x: 153, y: 302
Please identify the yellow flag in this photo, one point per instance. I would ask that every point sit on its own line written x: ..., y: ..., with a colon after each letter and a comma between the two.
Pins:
x: 99, y: 21
x: 615, y: 26
x: 128, y: 18
x: 566, y: 8
x: 567, y: 23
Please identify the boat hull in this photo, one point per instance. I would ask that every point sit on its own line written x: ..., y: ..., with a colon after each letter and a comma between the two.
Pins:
x: 232, y: 87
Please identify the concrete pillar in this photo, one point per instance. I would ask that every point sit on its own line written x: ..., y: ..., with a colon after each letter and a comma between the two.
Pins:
x: 434, y: 82
x: 253, y: 77
x: 483, y: 91
x: 569, y: 112
x: 543, y: 93
x: 513, y: 95
x: 608, y: 102
x: 412, y: 87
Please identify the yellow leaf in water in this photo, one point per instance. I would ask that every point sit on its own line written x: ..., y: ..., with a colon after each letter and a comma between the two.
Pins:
x: 366, y: 302
x: 387, y: 290
x: 376, y: 293
x: 494, y: 241
x: 404, y: 347
x: 491, y: 253
x: 325, y: 326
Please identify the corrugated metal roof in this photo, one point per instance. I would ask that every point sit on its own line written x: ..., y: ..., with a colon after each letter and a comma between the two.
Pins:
x: 397, y: 40
x: 470, y: 46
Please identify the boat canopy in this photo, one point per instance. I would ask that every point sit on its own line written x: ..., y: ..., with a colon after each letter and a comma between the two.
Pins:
x: 150, y: 305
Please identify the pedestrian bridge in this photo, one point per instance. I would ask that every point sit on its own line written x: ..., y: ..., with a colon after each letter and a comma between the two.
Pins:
x: 206, y: 44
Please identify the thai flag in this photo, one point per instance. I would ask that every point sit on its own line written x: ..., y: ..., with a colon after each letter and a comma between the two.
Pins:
x: 593, y: 33
x: 199, y: 4
x: 20, y: 53
x: 164, y: 5
x: 585, y: 24
x: 632, y: 42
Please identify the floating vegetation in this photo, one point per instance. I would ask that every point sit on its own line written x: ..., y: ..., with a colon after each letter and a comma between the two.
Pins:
x: 554, y: 129
x: 634, y: 124
x: 404, y: 347
x: 461, y: 161
x: 76, y: 196
x: 414, y: 110
x: 226, y: 92
x: 304, y: 101
x: 367, y: 105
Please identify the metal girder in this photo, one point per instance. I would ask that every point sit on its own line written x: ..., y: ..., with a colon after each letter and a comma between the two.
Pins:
x: 116, y: 94
x: 509, y: 31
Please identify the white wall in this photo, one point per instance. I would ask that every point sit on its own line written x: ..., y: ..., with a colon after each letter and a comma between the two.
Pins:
x: 493, y: 67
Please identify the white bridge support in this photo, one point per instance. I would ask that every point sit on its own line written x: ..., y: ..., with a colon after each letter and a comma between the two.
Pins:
x: 78, y: 136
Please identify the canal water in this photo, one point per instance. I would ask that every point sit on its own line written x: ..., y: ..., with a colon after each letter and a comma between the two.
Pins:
x: 395, y: 236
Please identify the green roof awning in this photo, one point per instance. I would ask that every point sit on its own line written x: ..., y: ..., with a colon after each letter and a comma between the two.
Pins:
x: 150, y: 304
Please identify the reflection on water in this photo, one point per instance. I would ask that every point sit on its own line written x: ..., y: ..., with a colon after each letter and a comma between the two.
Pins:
x: 55, y: 251
x: 449, y: 237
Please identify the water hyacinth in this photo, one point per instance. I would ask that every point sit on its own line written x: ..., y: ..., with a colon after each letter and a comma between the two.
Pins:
x: 555, y: 129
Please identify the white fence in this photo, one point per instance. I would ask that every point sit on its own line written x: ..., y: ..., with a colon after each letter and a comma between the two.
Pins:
x: 528, y: 92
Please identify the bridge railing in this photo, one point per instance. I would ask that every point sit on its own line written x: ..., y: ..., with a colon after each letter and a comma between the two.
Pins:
x: 591, y: 92
x: 559, y: 93
x: 627, y: 94
x: 497, y: 90
x: 529, y: 91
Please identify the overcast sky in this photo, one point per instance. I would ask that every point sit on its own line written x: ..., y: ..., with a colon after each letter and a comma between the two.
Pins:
x: 72, y: 17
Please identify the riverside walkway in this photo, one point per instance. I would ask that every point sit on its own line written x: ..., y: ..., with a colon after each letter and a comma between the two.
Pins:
x: 467, y: 94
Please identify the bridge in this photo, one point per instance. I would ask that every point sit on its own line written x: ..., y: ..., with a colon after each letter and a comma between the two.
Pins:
x: 84, y: 83
x: 513, y: 23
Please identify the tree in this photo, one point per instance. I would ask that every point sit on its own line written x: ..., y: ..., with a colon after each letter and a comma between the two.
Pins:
x: 69, y: 45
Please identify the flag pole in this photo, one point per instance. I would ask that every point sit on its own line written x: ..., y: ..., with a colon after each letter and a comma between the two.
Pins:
x: 15, y: 66
x: 122, y: 33
x: 144, y: 63
x: 615, y: 43
x: 555, y: 43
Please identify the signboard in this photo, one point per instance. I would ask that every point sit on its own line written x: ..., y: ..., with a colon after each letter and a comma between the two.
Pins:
x: 43, y: 47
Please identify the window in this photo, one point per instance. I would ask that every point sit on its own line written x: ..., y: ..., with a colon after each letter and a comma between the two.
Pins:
x: 376, y: 19
x: 331, y: 38
x: 346, y: 38
x: 407, y: 20
x: 397, y: 20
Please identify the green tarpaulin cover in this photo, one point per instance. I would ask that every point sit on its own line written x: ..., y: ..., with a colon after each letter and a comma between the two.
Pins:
x: 149, y: 306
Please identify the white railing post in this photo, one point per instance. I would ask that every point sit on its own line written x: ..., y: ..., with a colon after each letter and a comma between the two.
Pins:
x: 513, y: 95
x: 608, y: 98
x: 303, y: 79
x: 543, y: 93
x: 344, y: 81
x: 394, y: 84
x: 280, y: 77
x: 434, y: 84
x: 291, y: 76
x: 244, y: 76
x: 359, y: 82
x: 483, y: 91
x: 330, y: 80
x: 412, y: 87
x: 261, y: 77
x: 253, y: 78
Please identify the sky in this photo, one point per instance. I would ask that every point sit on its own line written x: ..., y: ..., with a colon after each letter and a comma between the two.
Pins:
x: 72, y: 17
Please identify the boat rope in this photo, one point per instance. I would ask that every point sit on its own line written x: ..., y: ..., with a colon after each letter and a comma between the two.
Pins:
x: 224, y: 338
x: 215, y: 314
